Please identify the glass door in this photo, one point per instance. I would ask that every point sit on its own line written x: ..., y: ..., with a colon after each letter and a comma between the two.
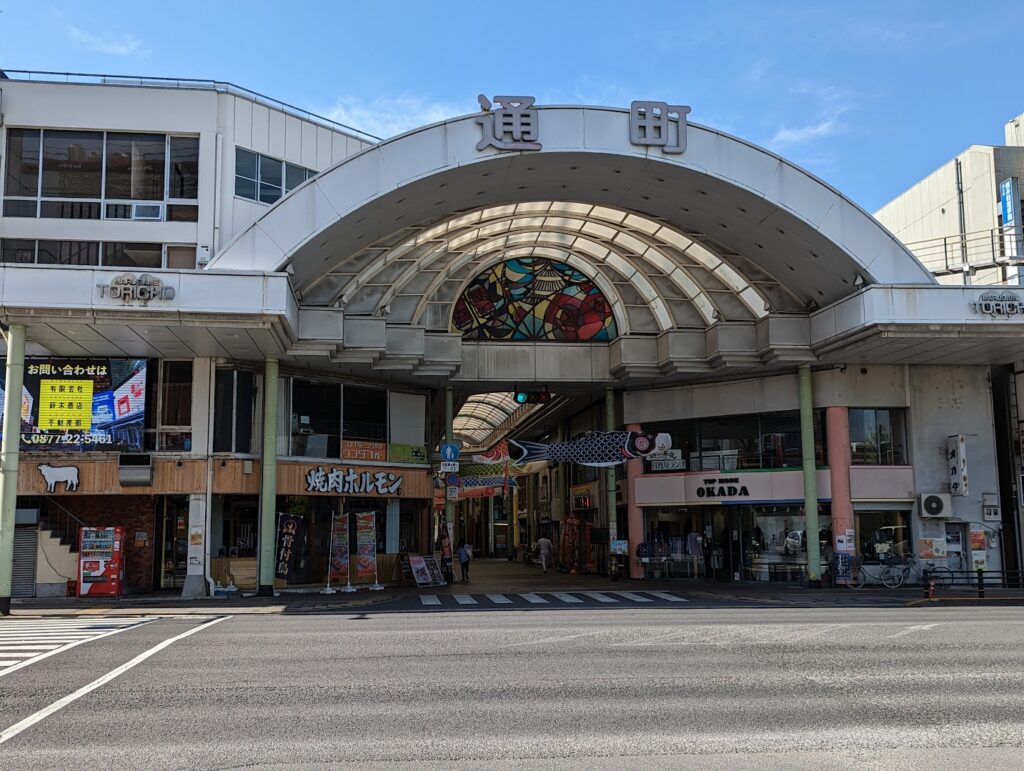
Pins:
x: 173, y: 542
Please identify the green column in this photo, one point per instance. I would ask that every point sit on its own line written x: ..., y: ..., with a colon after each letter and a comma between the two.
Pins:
x: 13, y: 380
x: 810, y: 478
x: 449, y: 437
x: 268, y: 481
x: 609, y: 477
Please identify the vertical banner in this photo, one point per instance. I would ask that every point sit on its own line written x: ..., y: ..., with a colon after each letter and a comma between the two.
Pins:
x: 956, y: 457
x: 339, y: 548
x: 289, y: 527
x: 366, y: 544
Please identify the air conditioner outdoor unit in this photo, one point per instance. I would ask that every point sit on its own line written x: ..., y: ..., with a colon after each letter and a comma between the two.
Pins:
x: 936, y: 505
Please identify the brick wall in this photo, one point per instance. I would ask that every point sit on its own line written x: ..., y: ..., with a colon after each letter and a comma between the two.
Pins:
x: 133, y: 513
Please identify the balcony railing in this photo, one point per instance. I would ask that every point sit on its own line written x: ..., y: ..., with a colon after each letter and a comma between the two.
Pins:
x: 980, y: 249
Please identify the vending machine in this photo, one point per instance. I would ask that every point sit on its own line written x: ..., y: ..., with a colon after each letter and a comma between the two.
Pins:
x: 101, y: 562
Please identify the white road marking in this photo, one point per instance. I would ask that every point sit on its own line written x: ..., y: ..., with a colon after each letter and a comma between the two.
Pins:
x: 430, y: 599
x: 464, y: 599
x: 60, y: 645
x: 42, y: 714
x: 634, y: 597
x: 912, y: 629
x: 499, y: 599
x: 536, y: 599
x: 599, y: 597
x: 553, y: 639
x: 566, y: 597
x: 667, y: 596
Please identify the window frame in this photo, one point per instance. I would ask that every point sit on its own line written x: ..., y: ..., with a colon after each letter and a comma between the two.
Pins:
x: 102, y: 201
x: 101, y: 262
x: 258, y: 182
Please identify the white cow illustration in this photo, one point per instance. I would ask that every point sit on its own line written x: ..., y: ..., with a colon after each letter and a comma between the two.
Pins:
x: 54, y: 474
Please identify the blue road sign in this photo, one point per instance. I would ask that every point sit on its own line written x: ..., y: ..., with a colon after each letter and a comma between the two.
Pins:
x: 449, y: 452
x: 452, y: 480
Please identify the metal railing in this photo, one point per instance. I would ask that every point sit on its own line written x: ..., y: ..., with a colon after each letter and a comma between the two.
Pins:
x: 220, y: 86
x: 960, y: 253
x: 62, y: 523
x: 973, y: 581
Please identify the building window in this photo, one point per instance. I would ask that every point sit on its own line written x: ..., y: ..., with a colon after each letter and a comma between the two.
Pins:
x: 87, y: 253
x: 366, y: 413
x: 135, y: 166
x: 882, y: 534
x: 175, y: 429
x: 878, y: 437
x: 234, y: 410
x: 73, y: 174
x: 316, y: 418
x: 265, y: 179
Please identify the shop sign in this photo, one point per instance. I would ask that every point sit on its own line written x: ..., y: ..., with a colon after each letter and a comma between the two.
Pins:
x: 956, y: 462
x: 350, y: 481
x: 668, y: 460
x: 364, y: 450
x: 57, y: 474
x: 513, y: 125
x: 722, y: 487
x: 407, y: 453
x: 136, y: 290
x: 990, y: 510
x: 996, y: 304
x: 289, y: 530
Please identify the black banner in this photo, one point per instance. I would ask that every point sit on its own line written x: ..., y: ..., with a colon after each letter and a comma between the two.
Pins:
x: 289, y: 543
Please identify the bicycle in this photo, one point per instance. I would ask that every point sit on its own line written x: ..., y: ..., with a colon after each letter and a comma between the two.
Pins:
x: 898, y: 569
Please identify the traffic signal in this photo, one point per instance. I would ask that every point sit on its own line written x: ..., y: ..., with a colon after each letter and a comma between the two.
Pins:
x: 532, y: 397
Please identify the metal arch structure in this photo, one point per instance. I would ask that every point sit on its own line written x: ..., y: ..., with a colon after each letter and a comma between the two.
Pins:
x: 714, y: 258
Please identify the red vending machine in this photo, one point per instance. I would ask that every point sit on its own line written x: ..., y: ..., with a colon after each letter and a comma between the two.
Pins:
x: 101, y: 562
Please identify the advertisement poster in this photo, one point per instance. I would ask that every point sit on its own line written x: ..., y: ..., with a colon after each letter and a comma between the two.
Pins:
x: 82, y: 404
x: 979, y: 556
x: 366, y: 544
x: 420, y: 571
x: 289, y: 537
x: 339, y: 548
x: 931, y: 548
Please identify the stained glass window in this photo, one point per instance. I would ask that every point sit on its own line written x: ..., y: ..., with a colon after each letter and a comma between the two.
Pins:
x: 533, y: 298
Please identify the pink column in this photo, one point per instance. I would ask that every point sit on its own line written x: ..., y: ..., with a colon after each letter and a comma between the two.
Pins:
x: 634, y: 468
x: 837, y: 430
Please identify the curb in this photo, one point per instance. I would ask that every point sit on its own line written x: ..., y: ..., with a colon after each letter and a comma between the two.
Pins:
x: 965, y: 601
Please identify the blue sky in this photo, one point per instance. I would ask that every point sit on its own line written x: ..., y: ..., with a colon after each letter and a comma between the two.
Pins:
x: 871, y: 96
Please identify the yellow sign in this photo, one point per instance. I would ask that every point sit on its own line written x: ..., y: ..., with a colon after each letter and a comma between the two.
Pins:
x: 65, y: 405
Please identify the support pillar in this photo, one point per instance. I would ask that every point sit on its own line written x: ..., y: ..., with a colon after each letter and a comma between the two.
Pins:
x: 810, y: 478
x: 195, y: 575
x: 268, y: 481
x: 634, y: 468
x: 610, y: 491
x: 13, y: 381
x: 449, y: 437
x: 837, y: 432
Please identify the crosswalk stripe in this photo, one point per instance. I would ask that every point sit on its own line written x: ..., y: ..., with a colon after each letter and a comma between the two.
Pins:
x: 499, y: 599
x: 25, y: 642
x: 536, y: 599
x: 430, y: 599
x: 599, y: 597
x: 633, y: 597
x: 19, y: 654
x: 566, y: 597
x: 4, y: 648
x: 8, y: 663
x: 464, y: 599
x: 667, y: 596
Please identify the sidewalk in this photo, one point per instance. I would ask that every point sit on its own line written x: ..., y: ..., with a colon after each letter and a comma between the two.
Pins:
x: 493, y: 576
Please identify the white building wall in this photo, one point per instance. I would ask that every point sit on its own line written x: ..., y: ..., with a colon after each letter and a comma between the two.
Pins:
x: 1014, y: 131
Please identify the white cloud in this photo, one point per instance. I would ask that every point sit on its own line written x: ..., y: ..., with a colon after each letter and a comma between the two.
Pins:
x: 386, y: 116
x: 787, y: 137
x: 126, y: 45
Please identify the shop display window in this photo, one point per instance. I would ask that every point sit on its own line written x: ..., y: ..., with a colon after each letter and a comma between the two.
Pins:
x: 883, y: 534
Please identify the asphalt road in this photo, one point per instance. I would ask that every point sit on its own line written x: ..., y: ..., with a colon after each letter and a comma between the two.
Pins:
x: 650, y: 687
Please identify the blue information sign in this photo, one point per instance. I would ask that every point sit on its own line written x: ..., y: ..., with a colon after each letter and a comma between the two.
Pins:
x: 449, y: 452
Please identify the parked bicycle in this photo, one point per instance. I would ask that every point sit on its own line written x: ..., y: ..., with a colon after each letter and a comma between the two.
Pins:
x: 894, y: 572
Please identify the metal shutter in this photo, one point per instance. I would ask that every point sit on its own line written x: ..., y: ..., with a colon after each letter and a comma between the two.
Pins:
x: 24, y: 578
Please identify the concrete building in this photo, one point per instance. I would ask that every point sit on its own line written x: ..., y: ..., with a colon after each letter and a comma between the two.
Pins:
x: 963, y: 220
x: 748, y: 376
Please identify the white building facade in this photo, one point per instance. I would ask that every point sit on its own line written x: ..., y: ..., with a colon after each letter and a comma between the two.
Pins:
x: 810, y: 372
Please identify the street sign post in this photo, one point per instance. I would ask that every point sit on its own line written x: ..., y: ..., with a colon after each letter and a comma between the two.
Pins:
x: 452, y: 493
x: 447, y: 465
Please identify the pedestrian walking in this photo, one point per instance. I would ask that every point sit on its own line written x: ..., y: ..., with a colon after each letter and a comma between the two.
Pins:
x: 465, y: 553
x: 545, y: 549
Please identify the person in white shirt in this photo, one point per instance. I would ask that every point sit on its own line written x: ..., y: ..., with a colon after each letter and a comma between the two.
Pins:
x: 544, y: 549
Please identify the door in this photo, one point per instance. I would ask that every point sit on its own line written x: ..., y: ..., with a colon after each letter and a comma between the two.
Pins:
x: 173, y: 542
x: 23, y: 580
